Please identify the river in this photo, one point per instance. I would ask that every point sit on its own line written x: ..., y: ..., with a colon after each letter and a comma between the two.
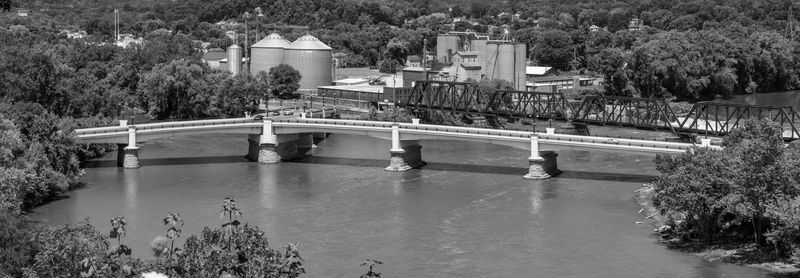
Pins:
x: 468, y: 213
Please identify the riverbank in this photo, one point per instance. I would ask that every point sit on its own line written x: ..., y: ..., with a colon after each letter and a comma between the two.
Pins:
x: 745, y: 254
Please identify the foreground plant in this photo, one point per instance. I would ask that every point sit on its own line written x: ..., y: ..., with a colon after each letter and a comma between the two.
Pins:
x: 118, y: 231
x: 371, y: 263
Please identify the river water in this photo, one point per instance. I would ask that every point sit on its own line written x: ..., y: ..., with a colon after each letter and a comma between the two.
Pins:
x: 468, y: 213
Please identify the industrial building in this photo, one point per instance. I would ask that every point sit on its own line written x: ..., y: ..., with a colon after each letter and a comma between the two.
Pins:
x: 311, y: 57
x: 468, y: 55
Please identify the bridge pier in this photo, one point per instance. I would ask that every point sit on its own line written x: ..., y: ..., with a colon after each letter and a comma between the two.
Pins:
x: 267, y: 147
x: 404, y: 155
x: 305, y: 141
x: 541, y: 164
x: 128, y: 155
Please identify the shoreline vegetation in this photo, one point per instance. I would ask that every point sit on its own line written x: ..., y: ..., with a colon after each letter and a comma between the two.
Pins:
x: 737, y: 205
x: 745, y: 254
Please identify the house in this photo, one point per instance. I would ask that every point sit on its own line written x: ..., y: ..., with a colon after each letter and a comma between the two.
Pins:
x: 128, y: 39
x: 22, y: 12
x: 213, y: 56
x: 413, y: 61
x: 635, y: 24
x: 594, y: 28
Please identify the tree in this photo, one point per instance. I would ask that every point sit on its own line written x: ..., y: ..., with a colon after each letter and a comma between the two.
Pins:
x: 284, y: 81
x: 610, y: 62
x: 760, y: 178
x: 554, y: 48
x: 397, y: 50
x: 238, y: 94
x: 5, y: 5
x: 388, y: 66
x: 694, y: 186
x: 175, y: 90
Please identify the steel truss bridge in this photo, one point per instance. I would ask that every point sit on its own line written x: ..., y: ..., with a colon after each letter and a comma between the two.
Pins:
x: 706, y: 118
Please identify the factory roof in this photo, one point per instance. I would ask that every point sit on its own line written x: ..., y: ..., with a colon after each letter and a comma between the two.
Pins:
x: 272, y: 41
x: 534, y: 70
x: 471, y: 65
x: 356, y: 88
x: 308, y: 42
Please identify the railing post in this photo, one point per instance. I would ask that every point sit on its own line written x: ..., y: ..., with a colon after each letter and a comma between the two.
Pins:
x: 132, y: 136
x: 534, y: 147
x: 396, y: 138
x: 705, y: 142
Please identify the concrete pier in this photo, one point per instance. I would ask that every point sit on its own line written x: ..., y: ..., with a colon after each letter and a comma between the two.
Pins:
x: 266, y: 153
x: 131, y: 159
x: 267, y: 147
x: 407, y: 157
x: 305, y: 141
x: 404, y: 155
x: 128, y: 155
x: 543, y: 167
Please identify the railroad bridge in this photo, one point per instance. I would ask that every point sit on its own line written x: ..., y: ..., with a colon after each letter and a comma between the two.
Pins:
x: 704, y: 118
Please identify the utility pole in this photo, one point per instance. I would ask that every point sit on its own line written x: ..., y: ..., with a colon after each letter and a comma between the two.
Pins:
x: 246, y: 40
x: 116, y: 25
x: 425, y: 58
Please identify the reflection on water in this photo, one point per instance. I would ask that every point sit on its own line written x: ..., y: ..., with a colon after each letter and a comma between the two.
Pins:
x: 778, y: 99
x: 468, y: 213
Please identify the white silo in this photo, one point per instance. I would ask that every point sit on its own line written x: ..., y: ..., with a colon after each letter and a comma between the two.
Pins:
x: 267, y: 53
x: 234, y: 59
x: 313, y: 59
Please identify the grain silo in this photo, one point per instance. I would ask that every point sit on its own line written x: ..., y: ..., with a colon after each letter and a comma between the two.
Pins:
x: 505, y: 62
x: 520, y: 58
x: 313, y: 59
x: 446, y: 44
x: 267, y: 53
x: 492, y: 65
x: 234, y: 59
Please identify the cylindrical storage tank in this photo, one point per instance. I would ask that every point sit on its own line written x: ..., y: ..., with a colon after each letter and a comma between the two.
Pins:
x: 520, y: 58
x: 234, y: 59
x: 313, y: 59
x: 267, y: 53
x: 505, y: 63
x: 479, y: 46
x: 492, y: 57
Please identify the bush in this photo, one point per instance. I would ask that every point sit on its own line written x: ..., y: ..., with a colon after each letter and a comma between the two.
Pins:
x: 245, y: 253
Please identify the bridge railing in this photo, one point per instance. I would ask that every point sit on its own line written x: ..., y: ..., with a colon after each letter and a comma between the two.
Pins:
x: 334, y: 122
x: 197, y: 123
x: 100, y: 130
x: 618, y: 141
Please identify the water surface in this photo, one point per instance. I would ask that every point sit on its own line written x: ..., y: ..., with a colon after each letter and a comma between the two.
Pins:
x: 468, y: 213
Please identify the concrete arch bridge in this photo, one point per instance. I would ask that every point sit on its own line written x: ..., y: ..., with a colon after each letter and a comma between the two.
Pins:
x: 272, y: 140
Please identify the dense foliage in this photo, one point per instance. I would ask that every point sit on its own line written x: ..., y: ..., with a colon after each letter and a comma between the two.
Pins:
x: 80, y: 250
x: 748, y: 190
x: 689, y: 49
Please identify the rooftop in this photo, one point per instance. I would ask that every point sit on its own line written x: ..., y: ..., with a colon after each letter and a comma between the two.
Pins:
x: 272, y: 41
x: 535, y: 70
x: 357, y: 88
x: 308, y: 42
